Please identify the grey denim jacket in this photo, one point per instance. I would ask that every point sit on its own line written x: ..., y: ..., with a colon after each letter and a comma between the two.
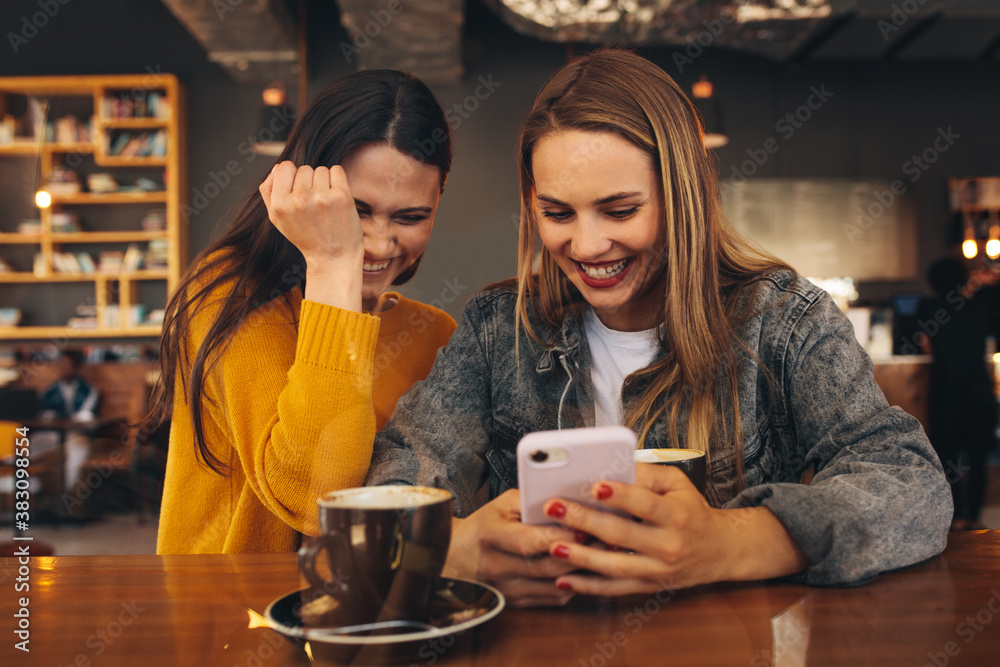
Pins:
x: 879, y: 499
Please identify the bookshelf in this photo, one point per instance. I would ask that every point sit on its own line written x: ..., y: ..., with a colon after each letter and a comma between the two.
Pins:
x: 111, y: 245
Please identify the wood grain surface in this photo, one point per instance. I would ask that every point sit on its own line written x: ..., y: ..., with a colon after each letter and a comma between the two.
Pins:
x: 205, y: 610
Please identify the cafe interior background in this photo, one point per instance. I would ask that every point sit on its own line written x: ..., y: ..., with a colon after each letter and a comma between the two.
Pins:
x: 856, y: 139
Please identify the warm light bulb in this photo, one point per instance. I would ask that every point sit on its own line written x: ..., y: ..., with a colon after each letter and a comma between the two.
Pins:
x: 993, y: 248
x: 43, y: 199
x: 969, y: 248
x: 702, y: 89
x: 996, y: 357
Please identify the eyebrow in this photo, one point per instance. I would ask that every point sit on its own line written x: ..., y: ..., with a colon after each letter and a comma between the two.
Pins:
x: 409, y: 209
x: 604, y: 200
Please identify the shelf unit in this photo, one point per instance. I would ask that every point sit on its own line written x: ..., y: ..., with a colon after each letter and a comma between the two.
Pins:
x: 98, y: 94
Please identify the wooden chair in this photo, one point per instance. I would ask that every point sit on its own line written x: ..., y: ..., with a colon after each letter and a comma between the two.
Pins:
x: 43, y: 467
x: 117, y: 470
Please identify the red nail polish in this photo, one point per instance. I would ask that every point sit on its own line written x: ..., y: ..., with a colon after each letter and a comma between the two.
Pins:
x: 603, y: 491
x: 564, y: 586
x: 557, y: 510
x: 580, y: 537
x: 561, y: 551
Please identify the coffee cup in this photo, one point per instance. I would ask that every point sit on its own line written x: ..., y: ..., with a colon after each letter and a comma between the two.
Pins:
x: 690, y: 461
x: 385, y: 548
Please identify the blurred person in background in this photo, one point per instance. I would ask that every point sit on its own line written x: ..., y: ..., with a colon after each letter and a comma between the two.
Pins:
x: 963, y: 408
x: 70, y: 397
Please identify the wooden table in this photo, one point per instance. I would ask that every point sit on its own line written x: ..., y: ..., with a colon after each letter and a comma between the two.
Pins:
x: 199, y: 610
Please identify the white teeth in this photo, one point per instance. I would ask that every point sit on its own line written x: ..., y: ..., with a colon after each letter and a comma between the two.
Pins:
x: 605, y: 272
x: 377, y: 267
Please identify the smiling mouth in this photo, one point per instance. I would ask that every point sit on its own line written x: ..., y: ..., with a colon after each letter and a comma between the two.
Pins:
x: 604, y: 271
x: 375, y: 267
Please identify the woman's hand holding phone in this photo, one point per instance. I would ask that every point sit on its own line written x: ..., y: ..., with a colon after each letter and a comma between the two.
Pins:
x: 314, y: 210
x: 682, y: 541
x: 493, y: 546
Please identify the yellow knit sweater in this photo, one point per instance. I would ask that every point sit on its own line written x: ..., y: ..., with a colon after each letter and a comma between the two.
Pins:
x: 293, y: 409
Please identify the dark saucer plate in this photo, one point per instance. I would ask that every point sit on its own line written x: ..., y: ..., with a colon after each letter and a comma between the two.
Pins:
x: 458, y: 605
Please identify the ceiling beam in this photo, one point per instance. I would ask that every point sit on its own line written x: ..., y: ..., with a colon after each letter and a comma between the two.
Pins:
x: 419, y: 36
x: 254, y: 41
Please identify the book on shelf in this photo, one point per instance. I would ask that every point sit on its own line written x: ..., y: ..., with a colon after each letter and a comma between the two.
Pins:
x: 62, y: 181
x: 110, y: 261
x: 158, y: 105
x: 134, y: 145
x: 66, y: 262
x: 154, y: 221
x: 30, y: 227
x: 62, y: 188
x: 102, y: 183
x: 136, y: 315
x: 82, y: 323
x: 133, y: 258
x: 140, y: 144
x: 66, y: 130
x: 85, y: 132
x: 118, y: 144
x: 112, y: 315
x: 65, y: 222
x: 86, y: 262
x: 69, y: 130
x: 150, y: 104
x: 157, y: 254
x: 159, y: 145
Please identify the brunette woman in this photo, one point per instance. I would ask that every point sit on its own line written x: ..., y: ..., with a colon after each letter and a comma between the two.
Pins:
x: 283, y: 350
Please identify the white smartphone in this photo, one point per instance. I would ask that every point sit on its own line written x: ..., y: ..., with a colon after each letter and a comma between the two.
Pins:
x: 567, y: 463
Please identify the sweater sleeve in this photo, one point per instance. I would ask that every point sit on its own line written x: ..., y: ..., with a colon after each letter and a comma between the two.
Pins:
x: 879, y: 499
x: 297, y: 404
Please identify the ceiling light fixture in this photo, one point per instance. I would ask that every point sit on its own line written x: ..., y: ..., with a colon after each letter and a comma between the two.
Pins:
x: 969, y: 246
x: 993, y: 244
x: 711, y: 113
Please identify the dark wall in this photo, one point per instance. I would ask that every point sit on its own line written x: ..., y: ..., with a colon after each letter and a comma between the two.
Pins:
x: 878, y: 116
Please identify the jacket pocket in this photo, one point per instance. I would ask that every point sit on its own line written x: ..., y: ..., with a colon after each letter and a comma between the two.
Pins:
x: 502, y: 457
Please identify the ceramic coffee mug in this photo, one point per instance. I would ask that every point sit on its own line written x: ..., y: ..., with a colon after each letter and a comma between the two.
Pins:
x: 690, y: 461
x: 386, y: 547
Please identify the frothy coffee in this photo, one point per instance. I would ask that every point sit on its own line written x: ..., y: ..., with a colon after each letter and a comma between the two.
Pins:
x: 384, y: 497
x: 666, y: 455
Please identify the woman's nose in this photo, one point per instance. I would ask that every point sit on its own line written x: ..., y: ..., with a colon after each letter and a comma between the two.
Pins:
x: 588, y: 241
x: 379, y: 238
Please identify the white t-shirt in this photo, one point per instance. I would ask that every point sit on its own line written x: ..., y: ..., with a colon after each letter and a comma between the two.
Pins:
x: 615, y: 356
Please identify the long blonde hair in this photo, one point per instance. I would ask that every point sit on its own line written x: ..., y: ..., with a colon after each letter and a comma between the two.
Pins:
x: 707, y: 266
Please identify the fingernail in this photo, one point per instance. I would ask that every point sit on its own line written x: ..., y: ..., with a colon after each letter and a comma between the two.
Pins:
x: 580, y: 537
x: 564, y: 586
x: 556, y: 510
x: 603, y: 491
x: 561, y: 551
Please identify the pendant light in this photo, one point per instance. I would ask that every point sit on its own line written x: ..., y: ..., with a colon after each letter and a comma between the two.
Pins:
x: 993, y: 244
x: 711, y: 113
x: 969, y: 246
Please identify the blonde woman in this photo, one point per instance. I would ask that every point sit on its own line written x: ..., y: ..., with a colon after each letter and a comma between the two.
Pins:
x: 650, y: 311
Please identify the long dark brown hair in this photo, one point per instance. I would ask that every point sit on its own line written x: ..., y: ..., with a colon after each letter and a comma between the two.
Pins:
x: 252, y: 258
x: 707, y: 266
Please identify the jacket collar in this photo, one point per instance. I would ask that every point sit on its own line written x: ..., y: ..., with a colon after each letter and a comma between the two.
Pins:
x: 566, y: 341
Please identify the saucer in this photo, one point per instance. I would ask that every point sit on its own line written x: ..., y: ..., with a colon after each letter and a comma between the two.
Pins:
x: 457, y: 605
